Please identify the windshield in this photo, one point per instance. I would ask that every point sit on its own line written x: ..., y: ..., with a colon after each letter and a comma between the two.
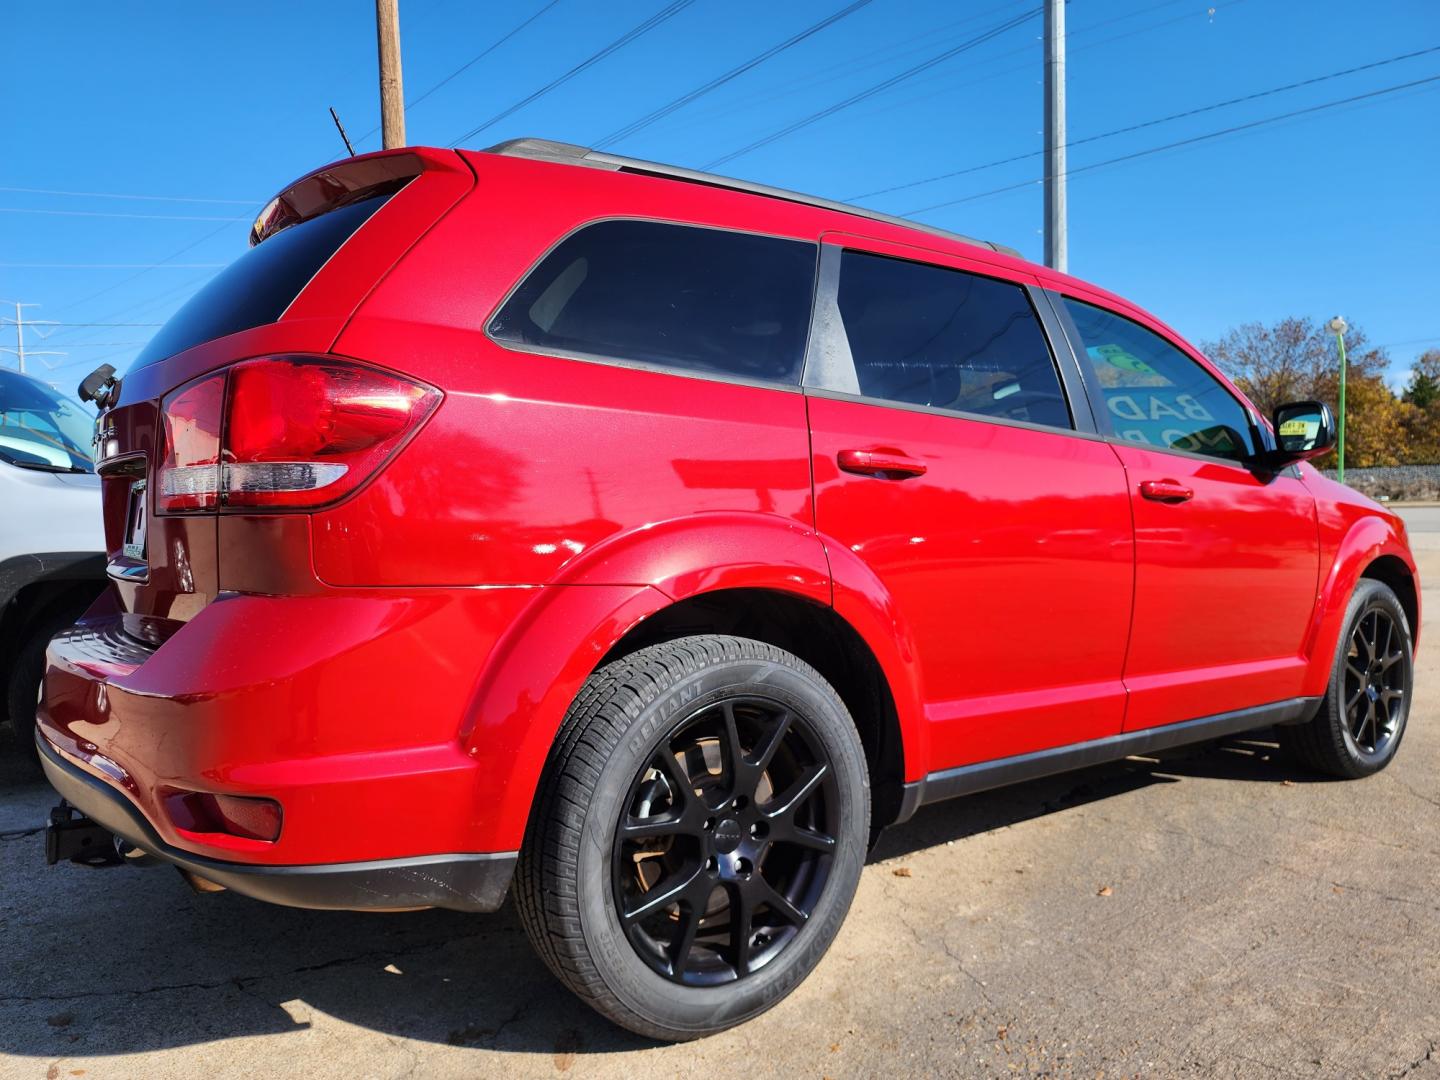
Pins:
x: 40, y: 429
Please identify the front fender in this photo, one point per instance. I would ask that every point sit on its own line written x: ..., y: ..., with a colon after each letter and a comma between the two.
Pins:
x: 1366, y: 539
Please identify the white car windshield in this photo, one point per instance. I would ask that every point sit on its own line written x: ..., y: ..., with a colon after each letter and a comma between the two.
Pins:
x: 41, y: 429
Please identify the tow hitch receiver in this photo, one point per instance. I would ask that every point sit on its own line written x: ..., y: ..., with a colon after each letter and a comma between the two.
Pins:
x: 71, y: 835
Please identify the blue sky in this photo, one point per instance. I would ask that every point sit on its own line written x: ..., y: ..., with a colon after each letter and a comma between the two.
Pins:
x: 1331, y: 211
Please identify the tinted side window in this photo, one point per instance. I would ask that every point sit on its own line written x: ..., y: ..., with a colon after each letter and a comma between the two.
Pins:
x: 925, y: 335
x: 256, y: 288
x: 683, y: 297
x: 1154, y: 393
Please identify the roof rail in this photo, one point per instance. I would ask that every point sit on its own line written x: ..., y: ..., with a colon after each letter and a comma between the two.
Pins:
x: 570, y: 154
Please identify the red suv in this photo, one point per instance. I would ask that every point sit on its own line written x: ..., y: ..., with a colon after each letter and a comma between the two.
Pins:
x: 643, y: 541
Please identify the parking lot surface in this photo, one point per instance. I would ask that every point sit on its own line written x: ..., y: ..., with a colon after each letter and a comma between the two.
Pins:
x: 1218, y: 912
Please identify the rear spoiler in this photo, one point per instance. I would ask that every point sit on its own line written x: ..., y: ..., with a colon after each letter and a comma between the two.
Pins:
x: 335, y: 186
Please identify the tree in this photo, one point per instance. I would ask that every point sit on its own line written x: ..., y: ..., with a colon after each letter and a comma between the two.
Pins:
x: 1423, y: 390
x: 1422, y: 399
x: 1294, y: 360
x: 1297, y: 360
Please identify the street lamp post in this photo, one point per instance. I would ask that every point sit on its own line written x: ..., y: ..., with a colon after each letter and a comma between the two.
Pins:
x: 1337, y: 326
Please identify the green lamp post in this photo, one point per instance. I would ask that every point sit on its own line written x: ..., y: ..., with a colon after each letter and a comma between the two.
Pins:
x: 1338, y: 326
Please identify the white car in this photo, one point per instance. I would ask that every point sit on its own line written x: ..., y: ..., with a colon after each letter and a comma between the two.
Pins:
x: 52, y: 540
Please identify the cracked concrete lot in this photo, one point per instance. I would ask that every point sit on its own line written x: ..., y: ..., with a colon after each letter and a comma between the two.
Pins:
x: 1215, y: 913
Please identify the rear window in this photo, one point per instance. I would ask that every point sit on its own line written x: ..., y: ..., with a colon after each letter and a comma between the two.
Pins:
x: 257, y: 287
x: 676, y: 296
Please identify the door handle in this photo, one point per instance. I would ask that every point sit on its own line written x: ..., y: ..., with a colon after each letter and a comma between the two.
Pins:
x: 882, y: 464
x: 1166, y: 491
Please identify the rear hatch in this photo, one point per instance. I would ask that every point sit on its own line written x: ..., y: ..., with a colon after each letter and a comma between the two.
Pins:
x: 316, y: 250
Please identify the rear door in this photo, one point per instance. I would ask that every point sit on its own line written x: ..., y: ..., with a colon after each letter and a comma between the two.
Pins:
x: 1227, y: 557
x: 952, y: 457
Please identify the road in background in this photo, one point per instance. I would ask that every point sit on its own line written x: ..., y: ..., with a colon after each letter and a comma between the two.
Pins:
x: 1423, y: 524
x: 1217, y: 913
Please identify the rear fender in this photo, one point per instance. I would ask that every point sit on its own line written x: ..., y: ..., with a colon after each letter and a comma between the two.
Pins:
x: 539, y: 665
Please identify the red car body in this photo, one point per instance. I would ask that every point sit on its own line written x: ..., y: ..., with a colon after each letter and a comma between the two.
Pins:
x: 387, y: 673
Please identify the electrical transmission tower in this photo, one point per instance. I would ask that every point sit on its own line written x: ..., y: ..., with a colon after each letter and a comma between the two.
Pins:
x: 20, y: 352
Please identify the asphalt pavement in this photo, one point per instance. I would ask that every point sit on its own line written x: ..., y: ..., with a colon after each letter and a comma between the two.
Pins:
x: 1217, y: 912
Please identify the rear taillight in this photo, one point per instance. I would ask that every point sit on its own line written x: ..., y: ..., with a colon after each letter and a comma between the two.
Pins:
x: 283, y: 433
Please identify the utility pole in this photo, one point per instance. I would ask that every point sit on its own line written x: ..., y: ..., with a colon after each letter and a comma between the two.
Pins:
x: 392, y: 93
x: 20, y: 352
x: 1338, y: 326
x: 1056, y: 253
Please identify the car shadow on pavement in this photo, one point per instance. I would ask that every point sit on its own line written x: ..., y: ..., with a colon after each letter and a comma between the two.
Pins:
x: 122, y: 960
x: 1254, y: 757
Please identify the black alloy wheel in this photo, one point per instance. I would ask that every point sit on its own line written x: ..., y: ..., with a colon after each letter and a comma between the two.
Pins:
x: 726, y: 841
x: 698, y: 834
x: 1375, y: 681
x: 1356, y: 730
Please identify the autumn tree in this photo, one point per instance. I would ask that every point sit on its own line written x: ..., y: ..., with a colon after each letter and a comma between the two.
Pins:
x: 1422, y: 397
x: 1297, y: 360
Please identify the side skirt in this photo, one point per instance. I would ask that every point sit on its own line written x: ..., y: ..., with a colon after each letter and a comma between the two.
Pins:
x: 984, y: 775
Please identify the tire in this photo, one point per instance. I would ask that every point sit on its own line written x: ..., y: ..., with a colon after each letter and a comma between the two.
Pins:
x: 23, y: 691
x: 661, y: 728
x: 1357, y: 730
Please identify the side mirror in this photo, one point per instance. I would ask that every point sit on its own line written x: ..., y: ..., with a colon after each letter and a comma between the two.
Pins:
x: 1303, y: 430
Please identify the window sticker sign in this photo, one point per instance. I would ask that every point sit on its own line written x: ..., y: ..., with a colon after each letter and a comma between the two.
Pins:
x: 1173, y: 420
x: 1117, y: 357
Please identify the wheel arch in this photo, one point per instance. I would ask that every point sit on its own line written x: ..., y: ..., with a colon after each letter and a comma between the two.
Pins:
x: 818, y: 635
x: 701, y: 572
x: 1391, y: 570
x: 1371, y: 548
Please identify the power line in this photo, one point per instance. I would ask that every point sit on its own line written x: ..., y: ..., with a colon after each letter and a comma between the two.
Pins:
x: 880, y: 87
x: 468, y: 64
x: 114, y: 214
x: 714, y: 84
x: 126, y: 280
x: 877, y: 57
x: 619, y: 43
x: 1149, y: 123
x: 1184, y: 142
x: 902, y: 103
x: 118, y: 195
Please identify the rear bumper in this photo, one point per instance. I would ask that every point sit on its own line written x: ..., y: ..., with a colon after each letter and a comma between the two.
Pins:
x: 473, y: 882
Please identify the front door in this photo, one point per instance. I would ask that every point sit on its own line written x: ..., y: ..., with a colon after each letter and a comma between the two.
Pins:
x: 1227, y: 558
x: 946, y: 459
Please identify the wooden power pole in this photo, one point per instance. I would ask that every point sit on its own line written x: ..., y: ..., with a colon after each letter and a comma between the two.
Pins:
x: 392, y: 92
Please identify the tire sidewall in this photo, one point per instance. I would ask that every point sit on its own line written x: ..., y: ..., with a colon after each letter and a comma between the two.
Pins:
x: 1369, y: 594
x: 688, y: 1011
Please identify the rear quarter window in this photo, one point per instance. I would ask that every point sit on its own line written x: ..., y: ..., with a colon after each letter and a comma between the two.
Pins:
x: 257, y: 287
x: 675, y: 296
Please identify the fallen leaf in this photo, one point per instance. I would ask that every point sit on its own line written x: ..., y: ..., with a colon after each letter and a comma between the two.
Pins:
x: 1105, y: 890
x: 63, y: 1019
x: 1336, y: 889
x: 1004, y: 1031
x: 902, y: 871
x: 834, y: 1047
